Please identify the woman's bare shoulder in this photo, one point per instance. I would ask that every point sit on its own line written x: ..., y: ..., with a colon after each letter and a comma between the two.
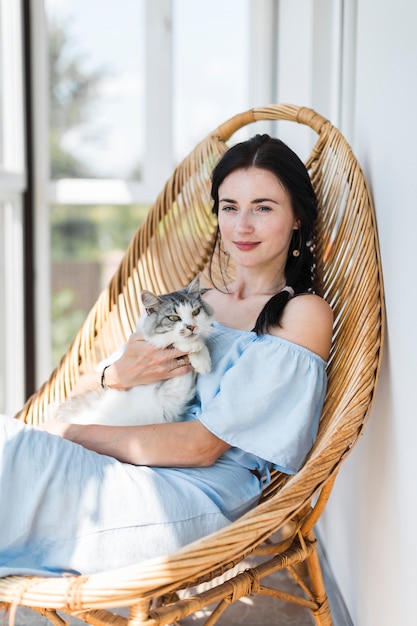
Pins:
x: 308, y: 321
x: 311, y: 303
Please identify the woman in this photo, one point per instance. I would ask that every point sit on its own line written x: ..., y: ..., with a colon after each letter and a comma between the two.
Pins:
x: 100, y: 497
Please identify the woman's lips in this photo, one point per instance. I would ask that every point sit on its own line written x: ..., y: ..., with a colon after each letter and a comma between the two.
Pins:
x: 246, y: 245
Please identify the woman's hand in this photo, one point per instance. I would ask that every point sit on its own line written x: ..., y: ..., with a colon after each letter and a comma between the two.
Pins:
x: 142, y: 363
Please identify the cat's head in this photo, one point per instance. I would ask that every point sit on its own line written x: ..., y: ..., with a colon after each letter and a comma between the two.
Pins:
x: 175, y: 316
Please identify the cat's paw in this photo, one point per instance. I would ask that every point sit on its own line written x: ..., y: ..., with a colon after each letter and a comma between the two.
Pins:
x: 200, y: 362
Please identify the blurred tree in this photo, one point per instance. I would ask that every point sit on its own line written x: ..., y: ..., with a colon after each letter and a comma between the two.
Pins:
x: 67, y: 321
x: 79, y: 234
x: 73, y: 92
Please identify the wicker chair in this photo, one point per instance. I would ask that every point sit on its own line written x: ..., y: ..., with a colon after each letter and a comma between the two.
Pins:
x: 167, y: 251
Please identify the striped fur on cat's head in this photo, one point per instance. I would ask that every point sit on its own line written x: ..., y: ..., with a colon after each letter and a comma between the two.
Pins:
x: 177, y: 316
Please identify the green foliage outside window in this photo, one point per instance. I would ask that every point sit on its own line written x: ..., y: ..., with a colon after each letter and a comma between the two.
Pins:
x: 84, y: 238
x: 91, y: 232
x: 86, y: 241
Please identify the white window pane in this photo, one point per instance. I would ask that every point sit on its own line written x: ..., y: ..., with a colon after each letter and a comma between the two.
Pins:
x: 104, y: 131
x: 1, y: 97
x: 211, y: 48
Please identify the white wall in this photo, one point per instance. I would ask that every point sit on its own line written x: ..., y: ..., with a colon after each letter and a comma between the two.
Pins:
x: 369, y: 524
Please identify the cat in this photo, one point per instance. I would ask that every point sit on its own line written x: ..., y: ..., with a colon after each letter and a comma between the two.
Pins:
x: 181, y: 319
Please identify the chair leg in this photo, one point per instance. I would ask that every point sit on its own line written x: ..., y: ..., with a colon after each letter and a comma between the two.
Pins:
x: 322, y: 616
x: 139, y: 612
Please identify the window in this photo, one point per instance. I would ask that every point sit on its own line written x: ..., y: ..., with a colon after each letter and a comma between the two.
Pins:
x: 131, y: 93
x: 12, y: 185
x: 97, y: 148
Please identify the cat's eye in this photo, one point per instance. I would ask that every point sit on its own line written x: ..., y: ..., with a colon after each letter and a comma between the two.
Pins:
x: 196, y: 311
x: 174, y: 318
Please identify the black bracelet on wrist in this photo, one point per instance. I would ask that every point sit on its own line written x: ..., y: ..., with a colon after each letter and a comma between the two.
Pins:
x: 103, y: 379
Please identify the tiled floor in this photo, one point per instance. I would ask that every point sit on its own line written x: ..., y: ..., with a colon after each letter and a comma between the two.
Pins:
x: 249, y: 611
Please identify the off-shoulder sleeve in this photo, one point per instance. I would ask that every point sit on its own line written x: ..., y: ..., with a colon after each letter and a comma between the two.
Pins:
x: 266, y: 399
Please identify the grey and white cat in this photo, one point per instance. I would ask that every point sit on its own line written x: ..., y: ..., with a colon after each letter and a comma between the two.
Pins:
x: 181, y: 319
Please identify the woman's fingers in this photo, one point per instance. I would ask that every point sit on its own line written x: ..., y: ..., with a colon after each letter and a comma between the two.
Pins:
x: 142, y: 363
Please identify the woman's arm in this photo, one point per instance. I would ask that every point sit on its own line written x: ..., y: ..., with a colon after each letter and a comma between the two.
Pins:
x: 140, y: 364
x: 178, y: 444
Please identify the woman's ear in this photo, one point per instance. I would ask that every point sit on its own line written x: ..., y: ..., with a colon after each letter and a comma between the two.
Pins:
x: 297, y: 224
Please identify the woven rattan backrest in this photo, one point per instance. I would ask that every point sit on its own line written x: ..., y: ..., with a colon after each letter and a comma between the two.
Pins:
x: 175, y: 242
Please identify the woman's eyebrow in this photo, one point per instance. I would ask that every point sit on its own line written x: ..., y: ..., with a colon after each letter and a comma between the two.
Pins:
x: 228, y: 200
x: 258, y: 200
x: 255, y: 201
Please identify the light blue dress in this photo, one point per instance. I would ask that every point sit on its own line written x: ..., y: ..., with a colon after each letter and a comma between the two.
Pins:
x: 68, y: 509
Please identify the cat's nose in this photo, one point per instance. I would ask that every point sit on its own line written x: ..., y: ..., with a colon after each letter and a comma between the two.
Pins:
x: 190, y: 327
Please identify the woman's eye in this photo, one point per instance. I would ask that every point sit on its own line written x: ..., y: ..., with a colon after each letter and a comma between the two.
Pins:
x: 228, y: 208
x: 174, y: 318
x: 264, y: 208
x: 196, y: 311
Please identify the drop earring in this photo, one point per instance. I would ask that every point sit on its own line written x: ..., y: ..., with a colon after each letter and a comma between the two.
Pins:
x: 296, y: 250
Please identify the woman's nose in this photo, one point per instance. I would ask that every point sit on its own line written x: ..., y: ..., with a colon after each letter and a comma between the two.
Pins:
x: 244, y: 222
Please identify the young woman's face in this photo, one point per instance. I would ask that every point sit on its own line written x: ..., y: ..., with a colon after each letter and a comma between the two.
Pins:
x: 256, y: 219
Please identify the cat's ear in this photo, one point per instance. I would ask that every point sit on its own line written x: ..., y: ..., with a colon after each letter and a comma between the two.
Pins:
x: 150, y: 301
x: 194, y: 285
